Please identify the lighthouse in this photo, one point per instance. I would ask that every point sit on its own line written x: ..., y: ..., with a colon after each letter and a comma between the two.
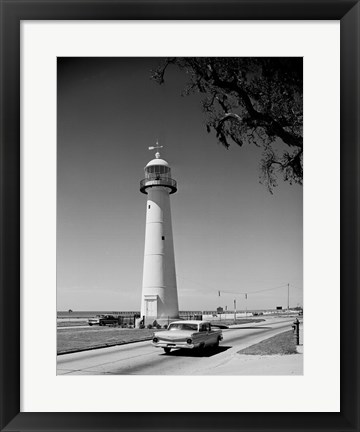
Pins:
x: 159, y: 299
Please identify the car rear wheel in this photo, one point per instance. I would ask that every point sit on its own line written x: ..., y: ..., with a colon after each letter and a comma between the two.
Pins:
x: 167, y: 350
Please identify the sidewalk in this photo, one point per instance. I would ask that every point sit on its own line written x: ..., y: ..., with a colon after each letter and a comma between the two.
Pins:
x: 241, y: 364
x: 263, y: 365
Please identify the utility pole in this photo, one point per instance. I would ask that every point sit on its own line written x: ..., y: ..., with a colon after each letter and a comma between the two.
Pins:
x: 288, y: 296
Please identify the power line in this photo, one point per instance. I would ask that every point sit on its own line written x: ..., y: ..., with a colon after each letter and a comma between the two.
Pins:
x: 252, y: 292
x: 202, y: 285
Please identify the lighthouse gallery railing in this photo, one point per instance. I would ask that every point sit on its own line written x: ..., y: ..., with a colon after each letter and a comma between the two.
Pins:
x: 156, y: 181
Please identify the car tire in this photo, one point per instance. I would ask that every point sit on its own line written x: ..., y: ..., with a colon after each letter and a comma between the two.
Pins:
x: 90, y: 324
x: 167, y: 350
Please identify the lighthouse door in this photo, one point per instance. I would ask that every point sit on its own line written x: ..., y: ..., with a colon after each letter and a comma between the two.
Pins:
x: 151, y: 306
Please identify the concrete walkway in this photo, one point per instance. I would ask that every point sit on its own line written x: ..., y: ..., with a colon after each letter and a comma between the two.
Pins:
x: 280, y: 365
x: 241, y: 364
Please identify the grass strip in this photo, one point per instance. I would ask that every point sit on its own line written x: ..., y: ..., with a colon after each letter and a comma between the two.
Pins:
x: 76, y: 339
x: 283, y: 343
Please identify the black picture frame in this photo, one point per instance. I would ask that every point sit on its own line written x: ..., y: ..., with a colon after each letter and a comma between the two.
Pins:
x: 12, y: 12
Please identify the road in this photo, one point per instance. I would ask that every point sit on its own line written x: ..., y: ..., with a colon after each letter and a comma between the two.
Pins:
x: 73, y: 327
x: 141, y: 358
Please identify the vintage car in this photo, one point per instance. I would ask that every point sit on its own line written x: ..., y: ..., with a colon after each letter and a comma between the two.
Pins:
x: 94, y: 320
x: 187, y: 334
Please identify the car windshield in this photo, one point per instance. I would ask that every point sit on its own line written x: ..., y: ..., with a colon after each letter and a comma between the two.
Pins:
x: 183, y: 326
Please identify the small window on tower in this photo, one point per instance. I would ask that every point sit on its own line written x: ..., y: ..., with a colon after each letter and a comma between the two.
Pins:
x: 149, y: 206
x: 162, y: 237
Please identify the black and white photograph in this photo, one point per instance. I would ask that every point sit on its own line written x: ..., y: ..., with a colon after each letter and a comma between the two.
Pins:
x: 179, y: 219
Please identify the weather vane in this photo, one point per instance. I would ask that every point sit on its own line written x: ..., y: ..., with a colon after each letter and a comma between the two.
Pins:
x: 156, y: 147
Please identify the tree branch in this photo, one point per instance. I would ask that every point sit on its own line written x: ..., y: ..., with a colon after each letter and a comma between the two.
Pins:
x: 272, y: 126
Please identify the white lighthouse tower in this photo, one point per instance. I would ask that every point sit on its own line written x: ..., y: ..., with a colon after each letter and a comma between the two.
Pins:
x: 159, y: 299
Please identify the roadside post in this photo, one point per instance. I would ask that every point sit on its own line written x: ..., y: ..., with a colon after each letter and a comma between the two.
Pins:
x: 219, y: 311
x: 296, y: 329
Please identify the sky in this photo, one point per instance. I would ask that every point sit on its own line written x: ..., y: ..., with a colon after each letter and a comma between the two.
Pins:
x: 230, y: 234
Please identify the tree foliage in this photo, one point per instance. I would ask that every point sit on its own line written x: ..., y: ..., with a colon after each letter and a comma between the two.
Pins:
x: 257, y: 101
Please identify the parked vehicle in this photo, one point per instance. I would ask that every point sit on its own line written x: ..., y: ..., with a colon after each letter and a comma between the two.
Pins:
x: 94, y: 320
x: 190, y: 334
x: 108, y: 319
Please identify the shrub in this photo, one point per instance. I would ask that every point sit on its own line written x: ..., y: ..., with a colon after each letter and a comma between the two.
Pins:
x: 158, y: 326
x: 141, y: 326
x: 165, y: 326
x: 149, y: 326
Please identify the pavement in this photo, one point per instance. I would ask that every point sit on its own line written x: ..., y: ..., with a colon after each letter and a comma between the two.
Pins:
x: 143, y: 359
x: 244, y: 364
x: 261, y: 365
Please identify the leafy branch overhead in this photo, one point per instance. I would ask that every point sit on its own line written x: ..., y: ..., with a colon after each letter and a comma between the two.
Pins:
x: 257, y: 101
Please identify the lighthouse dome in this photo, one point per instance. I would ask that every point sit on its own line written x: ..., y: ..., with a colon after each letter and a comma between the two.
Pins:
x: 157, y: 162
